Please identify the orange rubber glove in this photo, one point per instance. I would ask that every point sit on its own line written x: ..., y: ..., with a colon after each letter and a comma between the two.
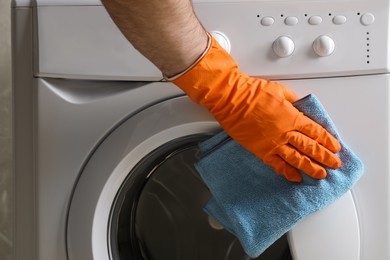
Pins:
x: 259, y: 115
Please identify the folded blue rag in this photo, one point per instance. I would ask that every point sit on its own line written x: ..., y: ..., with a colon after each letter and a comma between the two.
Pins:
x: 257, y: 205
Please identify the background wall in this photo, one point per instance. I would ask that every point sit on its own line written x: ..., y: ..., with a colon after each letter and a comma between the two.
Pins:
x: 5, y: 133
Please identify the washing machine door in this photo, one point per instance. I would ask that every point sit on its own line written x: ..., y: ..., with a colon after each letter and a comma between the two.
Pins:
x: 139, y: 197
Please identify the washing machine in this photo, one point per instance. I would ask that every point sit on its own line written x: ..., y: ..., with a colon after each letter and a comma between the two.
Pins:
x: 104, y: 148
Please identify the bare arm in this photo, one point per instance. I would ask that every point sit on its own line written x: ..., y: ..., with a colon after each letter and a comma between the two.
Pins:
x: 166, y: 32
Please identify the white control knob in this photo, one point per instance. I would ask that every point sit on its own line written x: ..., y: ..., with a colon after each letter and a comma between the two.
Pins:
x: 283, y: 46
x: 222, y: 39
x: 323, y: 46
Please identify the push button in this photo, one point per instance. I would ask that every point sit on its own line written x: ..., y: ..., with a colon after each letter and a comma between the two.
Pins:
x: 291, y: 20
x: 367, y: 19
x: 267, y: 21
x: 339, y: 19
x: 315, y: 20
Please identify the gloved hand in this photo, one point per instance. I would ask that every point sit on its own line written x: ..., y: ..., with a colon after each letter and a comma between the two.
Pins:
x: 259, y: 115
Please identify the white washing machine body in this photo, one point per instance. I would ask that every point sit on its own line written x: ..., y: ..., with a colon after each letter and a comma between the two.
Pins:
x: 89, y: 111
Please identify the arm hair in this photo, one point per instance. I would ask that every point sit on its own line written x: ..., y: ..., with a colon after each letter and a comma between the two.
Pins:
x: 167, y: 32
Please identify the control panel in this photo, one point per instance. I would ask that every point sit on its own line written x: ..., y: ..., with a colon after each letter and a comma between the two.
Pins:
x: 323, y: 45
x: 280, y: 39
x: 276, y: 39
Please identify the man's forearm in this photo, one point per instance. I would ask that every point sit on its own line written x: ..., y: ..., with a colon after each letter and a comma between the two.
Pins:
x: 166, y: 32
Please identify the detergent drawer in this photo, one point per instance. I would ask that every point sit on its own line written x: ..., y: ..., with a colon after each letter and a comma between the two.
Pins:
x: 83, y: 42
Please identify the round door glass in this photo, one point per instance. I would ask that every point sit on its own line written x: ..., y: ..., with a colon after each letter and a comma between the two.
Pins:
x: 158, y: 213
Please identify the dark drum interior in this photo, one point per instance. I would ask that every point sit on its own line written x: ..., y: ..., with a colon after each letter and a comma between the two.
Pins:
x: 158, y: 212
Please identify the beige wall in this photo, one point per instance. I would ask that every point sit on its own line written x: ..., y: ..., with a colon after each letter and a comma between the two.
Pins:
x: 5, y: 133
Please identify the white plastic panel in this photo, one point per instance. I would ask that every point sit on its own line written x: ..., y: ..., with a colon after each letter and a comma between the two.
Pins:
x: 332, y: 233
x: 27, y: 3
x: 355, y: 227
x: 83, y: 42
x: 89, y: 45
x: 359, y: 49
x: 360, y: 108
x: 71, y: 123
x: 98, y: 2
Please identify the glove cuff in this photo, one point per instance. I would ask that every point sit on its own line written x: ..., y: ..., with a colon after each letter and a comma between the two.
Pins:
x: 174, y: 77
x: 211, y: 78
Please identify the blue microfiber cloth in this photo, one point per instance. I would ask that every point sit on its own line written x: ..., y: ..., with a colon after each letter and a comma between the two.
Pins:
x: 257, y: 205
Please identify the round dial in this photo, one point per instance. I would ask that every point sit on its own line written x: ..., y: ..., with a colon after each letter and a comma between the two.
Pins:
x: 222, y: 39
x: 323, y: 46
x: 283, y: 46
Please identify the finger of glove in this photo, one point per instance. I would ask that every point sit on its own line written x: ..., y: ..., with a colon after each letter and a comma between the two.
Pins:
x: 318, y: 133
x: 314, y: 150
x: 301, y: 162
x: 282, y: 167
